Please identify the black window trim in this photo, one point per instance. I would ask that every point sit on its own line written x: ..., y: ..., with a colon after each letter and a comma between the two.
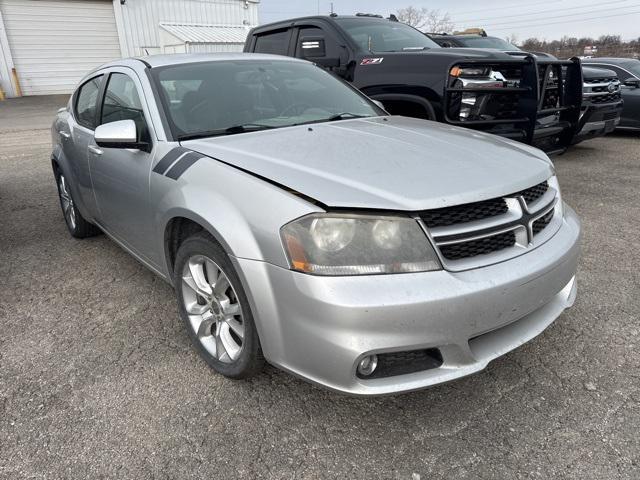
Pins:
x: 76, y: 98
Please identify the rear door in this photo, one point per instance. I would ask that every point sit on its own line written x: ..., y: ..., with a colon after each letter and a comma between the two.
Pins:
x: 76, y: 137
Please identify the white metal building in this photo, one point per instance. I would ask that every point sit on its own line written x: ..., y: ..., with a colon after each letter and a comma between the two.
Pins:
x: 48, y: 45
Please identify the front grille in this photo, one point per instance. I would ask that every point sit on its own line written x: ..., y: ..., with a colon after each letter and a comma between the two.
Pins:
x: 495, y: 243
x: 592, y: 81
x: 542, y: 223
x: 499, y: 224
x: 534, y: 193
x: 608, y: 98
x: 597, y: 91
x: 444, y: 217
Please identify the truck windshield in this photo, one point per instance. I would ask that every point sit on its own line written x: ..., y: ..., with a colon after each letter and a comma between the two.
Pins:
x: 373, y: 35
x: 208, y: 99
x: 489, y: 42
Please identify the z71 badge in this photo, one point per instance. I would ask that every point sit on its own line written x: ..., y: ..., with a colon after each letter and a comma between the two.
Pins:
x: 371, y: 61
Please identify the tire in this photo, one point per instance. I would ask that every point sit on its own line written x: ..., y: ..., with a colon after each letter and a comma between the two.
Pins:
x: 76, y: 224
x: 215, y: 310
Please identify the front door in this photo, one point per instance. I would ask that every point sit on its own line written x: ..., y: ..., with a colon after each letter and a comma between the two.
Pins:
x: 121, y: 176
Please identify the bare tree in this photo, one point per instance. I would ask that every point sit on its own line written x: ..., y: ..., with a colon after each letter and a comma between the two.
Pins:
x: 425, y: 19
x: 512, y: 39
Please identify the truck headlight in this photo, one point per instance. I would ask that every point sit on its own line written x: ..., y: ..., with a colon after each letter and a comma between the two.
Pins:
x: 470, y: 72
x: 351, y: 244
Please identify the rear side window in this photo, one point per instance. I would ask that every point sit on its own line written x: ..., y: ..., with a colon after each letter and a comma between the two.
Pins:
x: 121, y: 102
x: 276, y: 43
x: 87, y: 102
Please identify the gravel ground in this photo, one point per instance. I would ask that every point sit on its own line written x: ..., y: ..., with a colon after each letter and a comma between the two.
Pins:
x: 97, y: 377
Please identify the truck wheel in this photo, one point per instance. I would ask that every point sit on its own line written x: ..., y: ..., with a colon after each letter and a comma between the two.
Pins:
x: 76, y: 224
x: 215, y: 310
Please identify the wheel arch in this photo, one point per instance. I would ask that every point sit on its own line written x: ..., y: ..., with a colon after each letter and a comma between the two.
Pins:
x: 179, y: 226
x: 408, y: 100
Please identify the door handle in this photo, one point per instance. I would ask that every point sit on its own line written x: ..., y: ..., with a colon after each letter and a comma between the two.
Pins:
x: 64, y: 134
x: 95, y: 150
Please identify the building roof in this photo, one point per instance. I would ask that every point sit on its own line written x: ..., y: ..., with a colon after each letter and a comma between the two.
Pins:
x: 200, y: 33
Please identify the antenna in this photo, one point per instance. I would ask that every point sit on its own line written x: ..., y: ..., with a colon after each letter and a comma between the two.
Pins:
x: 332, y: 12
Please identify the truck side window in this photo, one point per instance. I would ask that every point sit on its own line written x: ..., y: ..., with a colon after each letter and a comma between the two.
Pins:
x: 276, y: 42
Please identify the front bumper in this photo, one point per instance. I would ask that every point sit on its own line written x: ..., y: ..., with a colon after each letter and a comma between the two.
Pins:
x: 598, y: 120
x: 319, y: 328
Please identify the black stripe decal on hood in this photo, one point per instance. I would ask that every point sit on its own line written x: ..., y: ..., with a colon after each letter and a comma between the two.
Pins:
x: 163, y: 165
x: 183, y: 164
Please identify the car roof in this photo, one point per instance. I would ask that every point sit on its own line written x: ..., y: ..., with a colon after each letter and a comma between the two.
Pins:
x: 154, y: 61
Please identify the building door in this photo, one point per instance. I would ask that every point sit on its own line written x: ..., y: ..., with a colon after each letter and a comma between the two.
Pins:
x: 54, y: 43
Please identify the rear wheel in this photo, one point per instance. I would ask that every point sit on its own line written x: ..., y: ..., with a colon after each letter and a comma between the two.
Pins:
x: 76, y: 224
x: 215, y: 309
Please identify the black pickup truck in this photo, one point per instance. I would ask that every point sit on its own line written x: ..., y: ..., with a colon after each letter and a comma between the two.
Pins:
x: 533, y: 100
x: 602, y: 90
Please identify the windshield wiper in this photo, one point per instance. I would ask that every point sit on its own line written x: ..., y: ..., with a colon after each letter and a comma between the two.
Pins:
x: 247, y: 127
x: 344, y: 116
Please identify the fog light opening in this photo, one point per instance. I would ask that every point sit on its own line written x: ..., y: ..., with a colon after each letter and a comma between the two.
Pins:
x: 368, y: 365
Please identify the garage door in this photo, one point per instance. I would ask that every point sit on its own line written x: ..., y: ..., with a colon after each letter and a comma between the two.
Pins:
x: 55, y: 42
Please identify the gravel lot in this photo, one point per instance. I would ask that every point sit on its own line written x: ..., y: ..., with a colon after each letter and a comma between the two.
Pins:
x: 97, y: 377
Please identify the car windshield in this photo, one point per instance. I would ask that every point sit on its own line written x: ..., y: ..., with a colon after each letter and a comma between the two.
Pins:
x: 384, y: 35
x: 488, y: 42
x: 230, y: 97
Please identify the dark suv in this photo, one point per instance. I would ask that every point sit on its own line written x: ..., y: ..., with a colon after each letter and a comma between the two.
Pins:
x: 533, y: 100
x: 602, y: 98
x: 628, y: 71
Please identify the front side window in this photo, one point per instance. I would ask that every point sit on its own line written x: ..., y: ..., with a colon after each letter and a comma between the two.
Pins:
x: 87, y: 102
x: 229, y: 97
x: 121, y: 102
x: 276, y: 43
x: 385, y: 36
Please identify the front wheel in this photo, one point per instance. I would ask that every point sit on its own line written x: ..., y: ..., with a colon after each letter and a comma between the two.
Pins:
x: 215, y: 309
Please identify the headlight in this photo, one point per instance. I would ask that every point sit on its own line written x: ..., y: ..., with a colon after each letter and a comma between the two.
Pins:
x: 470, y: 72
x: 553, y: 183
x: 345, y: 244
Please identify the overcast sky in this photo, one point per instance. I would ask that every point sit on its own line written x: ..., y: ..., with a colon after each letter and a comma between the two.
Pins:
x: 550, y: 19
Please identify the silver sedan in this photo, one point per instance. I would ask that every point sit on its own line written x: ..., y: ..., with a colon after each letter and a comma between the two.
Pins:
x: 303, y: 226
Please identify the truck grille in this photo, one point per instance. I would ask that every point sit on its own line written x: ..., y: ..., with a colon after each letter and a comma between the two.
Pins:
x: 478, y: 233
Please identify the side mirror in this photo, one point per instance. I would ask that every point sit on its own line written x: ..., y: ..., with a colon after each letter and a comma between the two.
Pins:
x: 632, y: 82
x: 120, y: 134
x: 328, y: 62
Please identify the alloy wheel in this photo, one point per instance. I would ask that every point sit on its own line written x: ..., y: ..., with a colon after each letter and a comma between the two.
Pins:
x: 213, y: 308
x: 68, y: 208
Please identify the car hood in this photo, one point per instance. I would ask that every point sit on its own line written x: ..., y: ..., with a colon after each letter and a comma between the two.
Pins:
x: 390, y: 163
x: 589, y: 73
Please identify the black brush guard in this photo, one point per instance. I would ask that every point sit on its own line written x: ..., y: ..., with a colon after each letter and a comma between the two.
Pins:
x: 545, y: 104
